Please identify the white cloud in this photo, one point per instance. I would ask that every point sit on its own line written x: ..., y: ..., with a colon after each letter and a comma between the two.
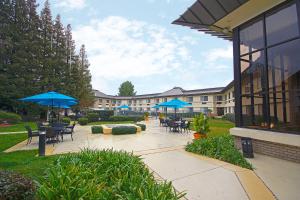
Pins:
x: 119, y: 48
x: 71, y: 4
x: 220, y: 53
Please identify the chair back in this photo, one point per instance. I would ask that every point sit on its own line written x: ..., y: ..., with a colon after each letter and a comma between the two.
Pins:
x: 29, y: 131
x: 50, y: 133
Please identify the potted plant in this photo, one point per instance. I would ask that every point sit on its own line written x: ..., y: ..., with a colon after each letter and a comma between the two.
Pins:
x: 146, y: 116
x: 200, y: 125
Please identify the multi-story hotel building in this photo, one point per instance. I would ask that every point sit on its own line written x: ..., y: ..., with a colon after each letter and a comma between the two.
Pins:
x: 219, y: 100
x: 266, y: 44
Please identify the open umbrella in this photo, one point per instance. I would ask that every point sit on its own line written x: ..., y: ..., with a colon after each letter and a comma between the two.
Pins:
x: 53, y: 99
x: 123, y: 106
x: 174, y: 103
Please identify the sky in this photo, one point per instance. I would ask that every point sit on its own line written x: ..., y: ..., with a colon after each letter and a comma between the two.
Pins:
x: 134, y: 40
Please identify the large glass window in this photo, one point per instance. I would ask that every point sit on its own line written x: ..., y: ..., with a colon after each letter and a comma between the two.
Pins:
x: 252, y: 37
x: 270, y: 71
x: 282, y: 25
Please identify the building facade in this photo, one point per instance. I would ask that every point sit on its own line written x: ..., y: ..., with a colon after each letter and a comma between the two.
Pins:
x: 266, y: 44
x: 219, y: 100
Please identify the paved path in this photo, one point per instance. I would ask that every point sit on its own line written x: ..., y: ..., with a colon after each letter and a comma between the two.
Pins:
x: 200, y: 177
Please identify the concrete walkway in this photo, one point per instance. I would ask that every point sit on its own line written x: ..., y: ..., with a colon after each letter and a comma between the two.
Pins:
x: 200, y: 177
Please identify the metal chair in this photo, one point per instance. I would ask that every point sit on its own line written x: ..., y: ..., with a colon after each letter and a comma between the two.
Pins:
x: 68, y: 130
x: 51, y: 135
x: 30, y: 134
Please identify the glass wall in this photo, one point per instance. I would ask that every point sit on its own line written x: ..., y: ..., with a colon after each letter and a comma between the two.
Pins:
x: 269, y: 70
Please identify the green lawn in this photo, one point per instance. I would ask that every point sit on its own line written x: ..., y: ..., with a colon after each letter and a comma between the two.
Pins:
x: 9, y: 140
x: 26, y: 162
x: 219, y: 127
x: 18, y: 127
x: 110, y: 122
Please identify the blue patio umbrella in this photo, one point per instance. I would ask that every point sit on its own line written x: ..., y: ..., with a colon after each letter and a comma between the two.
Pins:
x: 123, y: 106
x: 174, y: 103
x: 156, y: 106
x: 53, y: 99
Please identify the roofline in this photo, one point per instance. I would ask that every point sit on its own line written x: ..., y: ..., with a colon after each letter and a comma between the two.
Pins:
x: 155, y: 95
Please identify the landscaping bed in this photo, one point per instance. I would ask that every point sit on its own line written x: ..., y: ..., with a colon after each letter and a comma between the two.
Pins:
x: 220, y: 147
x: 105, y: 174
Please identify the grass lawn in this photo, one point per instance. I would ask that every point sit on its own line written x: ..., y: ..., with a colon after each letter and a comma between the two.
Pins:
x: 9, y: 140
x: 219, y: 127
x: 26, y: 162
x: 110, y: 122
x: 18, y: 127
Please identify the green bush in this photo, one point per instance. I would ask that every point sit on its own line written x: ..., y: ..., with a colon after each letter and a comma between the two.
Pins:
x: 104, y: 174
x: 229, y: 117
x: 126, y: 118
x: 143, y: 126
x: 8, y: 117
x: 15, y: 186
x: 219, y: 147
x: 105, y: 114
x: 97, y: 129
x: 83, y: 121
x: 66, y: 120
x: 93, y: 117
x: 121, y: 130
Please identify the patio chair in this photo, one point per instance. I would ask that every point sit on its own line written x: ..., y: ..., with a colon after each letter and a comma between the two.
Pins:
x: 68, y: 130
x: 161, y: 122
x: 185, y: 126
x: 30, y: 134
x: 51, y: 135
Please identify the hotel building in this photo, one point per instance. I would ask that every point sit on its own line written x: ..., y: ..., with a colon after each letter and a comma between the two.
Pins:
x: 266, y: 46
x: 218, y: 101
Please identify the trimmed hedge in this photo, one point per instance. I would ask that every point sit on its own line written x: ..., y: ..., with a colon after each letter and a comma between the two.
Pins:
x: 9, y: 117
x: 105, y: 114
x: 83, y: 121
x: 143, y: 126
x: 105, y: 174
x: 15, y: 186
x: 126, y: 118
x: 93, y: 117
x: 229, y: 117
x: 66, y: 120
x: 219, y: 147
x: 97, y: 129
x: 121, y: 130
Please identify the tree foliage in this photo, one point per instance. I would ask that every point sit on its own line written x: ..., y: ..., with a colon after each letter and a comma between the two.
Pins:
x: 126, y: 89
x: 37, y: 54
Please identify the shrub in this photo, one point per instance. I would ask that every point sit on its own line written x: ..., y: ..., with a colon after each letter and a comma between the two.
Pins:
x: 8, y: 117
x: 97, y: 129
x: 200, y: 124
x: 105, y: 114
x: 93, y: 117
x: 104, y: 174
x: 121, y: 130
x: 219, y: 147
x: 83, y: 121
x: 229, y: 117
x: 146, y: 114
x: 143, y: 126
x: 15, y: 186
x: 66, y: 120
x: 126, y: 118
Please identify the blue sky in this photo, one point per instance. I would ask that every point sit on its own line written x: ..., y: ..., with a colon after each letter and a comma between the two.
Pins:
x: 134, y: 40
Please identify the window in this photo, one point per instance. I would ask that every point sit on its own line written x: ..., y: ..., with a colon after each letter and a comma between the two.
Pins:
x: 157, y: 100
x: 204, y: 98
x: 204, y: 110
x: 114, y: 101
x: 107, y: 101
x: 190, y: 99
x: 229, y: 95
x: 191, y: 110
x: 282, y: 25
x: 100, y: 100
x: 147, y: 100
x: 270, y: 71
x: 252, y: 37
x: 165, y: 99
x: 219, y: 98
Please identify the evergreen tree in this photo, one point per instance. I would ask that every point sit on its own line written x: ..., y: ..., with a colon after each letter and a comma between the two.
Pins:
x: 46, y: 72
x: 84, y: 83
x: 126, y: 89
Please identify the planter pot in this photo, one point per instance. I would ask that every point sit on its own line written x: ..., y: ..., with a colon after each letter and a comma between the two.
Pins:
x: 199, y: 135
